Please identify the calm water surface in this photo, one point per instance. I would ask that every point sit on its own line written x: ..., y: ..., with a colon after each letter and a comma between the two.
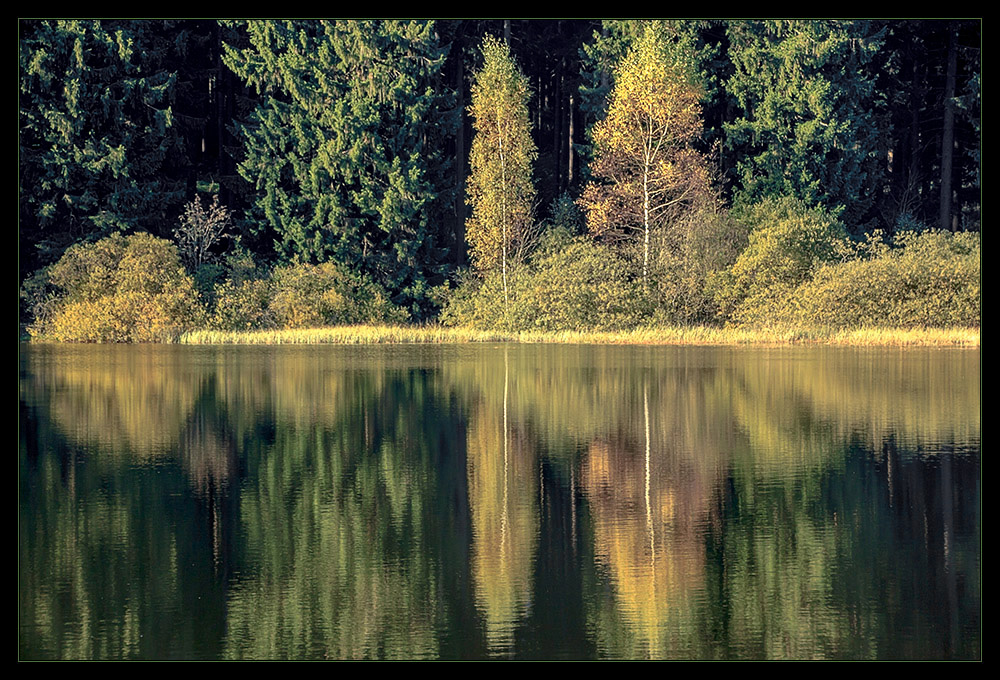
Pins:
x: 495, y: 501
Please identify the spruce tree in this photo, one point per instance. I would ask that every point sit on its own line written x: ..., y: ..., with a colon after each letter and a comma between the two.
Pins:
x: 345, y: 147
x: 809, y: 124
x: 98, y: 140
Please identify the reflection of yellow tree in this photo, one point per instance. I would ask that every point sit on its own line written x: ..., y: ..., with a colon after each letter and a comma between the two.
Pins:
x: 503, y: 493
x: 649, y: 509
x: 652, y: 548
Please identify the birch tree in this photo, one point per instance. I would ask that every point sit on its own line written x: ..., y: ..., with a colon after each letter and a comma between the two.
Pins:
x: 501, y: 191
x: 646, y: 172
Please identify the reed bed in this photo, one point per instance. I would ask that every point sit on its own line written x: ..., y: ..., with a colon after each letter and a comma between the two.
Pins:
x: 693, y: 335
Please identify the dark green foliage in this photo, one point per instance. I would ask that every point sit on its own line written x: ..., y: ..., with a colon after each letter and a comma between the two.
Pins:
x: 912, y: 78
x: 119, y: 289
x: 808, y: 124
x: 571, y: 284
x: 99, y: 147
x: 922, y: 280
x: 345, y: 149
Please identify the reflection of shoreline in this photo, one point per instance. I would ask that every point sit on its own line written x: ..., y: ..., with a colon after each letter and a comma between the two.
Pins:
x: 773, y: 481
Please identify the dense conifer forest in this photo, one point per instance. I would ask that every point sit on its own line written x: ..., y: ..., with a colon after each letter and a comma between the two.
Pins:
x: 507, y: 174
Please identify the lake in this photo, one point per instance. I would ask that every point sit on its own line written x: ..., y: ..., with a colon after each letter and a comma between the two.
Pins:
x: 498, y: 501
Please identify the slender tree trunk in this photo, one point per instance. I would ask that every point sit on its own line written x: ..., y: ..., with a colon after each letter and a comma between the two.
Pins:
x: 645, y: 220
x: 503, y: 213
x: 557, y: 126
x: 461, y: 157
x: 948, y: 133
x: 569, y: 145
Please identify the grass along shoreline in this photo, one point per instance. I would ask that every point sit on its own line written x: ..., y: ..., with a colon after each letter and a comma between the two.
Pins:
x: 693, y: 335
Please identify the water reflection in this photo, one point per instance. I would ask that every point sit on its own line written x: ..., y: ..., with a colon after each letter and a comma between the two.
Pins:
x: 512, y: 501
x: 503, y: 494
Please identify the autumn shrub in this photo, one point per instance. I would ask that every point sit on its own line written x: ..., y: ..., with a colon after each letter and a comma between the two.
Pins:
x: 569, y: 284
x: 920, y: 280
x: 242, y: 306
x: 119, y: 289
x: 697, y: 247
x: 787, y: 241
x: 308, y: 296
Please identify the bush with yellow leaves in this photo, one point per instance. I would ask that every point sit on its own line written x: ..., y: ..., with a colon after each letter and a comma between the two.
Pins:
x: 119, y: 289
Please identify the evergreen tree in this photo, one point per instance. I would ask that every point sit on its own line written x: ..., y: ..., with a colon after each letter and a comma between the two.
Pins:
x: 99, y: 146
x: 345, y: 148
x: 810, y: 125
x: 501, y: 191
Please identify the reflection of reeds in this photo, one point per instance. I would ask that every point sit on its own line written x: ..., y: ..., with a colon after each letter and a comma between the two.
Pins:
x: 682, y: 335
x: 805, y: 403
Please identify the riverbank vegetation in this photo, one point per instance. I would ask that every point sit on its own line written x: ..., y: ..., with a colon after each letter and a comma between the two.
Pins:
x: 669, y: 182
x: 681, y: 335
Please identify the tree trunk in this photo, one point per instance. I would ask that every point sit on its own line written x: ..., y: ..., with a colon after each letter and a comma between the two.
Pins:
x: 948, y: 133
x: 461, y: 157
x: 569, y: 145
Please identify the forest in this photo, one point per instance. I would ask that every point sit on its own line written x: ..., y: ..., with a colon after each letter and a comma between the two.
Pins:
x: 498, y: 174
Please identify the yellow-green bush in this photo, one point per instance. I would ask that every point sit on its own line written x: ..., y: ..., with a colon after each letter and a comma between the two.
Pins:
x: 695, y: 248
x: 571, y: 284
x: 242, y: 306
x: 308, y: 296
x: 787, y: 241
x: 120, y: 289
x: 930, y: 279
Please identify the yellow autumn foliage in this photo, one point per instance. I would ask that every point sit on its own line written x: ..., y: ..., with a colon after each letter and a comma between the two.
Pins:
x: 645, y: 170
x: 500, y: 188
x: 121, y: 289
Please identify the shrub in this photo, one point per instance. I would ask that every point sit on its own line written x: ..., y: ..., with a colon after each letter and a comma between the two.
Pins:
x: 697, y: 247
x: 930, y: 279
x: 120, y: 289
x: 242, y: 306
x: 571, y: 284
x: 200, y: 229
x: 306, y: 295
x: 787, y: 241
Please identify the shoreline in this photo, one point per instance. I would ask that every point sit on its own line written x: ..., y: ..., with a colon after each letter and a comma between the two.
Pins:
x: 676, y: 336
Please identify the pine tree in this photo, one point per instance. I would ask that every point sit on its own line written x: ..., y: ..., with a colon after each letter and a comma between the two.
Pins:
x: 99, y: 146
x: 810, y: 125
x: 500, y: 187
x: 344, y: 149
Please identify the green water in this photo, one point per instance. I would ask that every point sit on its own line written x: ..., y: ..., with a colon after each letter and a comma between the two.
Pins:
x: 467, y: 502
